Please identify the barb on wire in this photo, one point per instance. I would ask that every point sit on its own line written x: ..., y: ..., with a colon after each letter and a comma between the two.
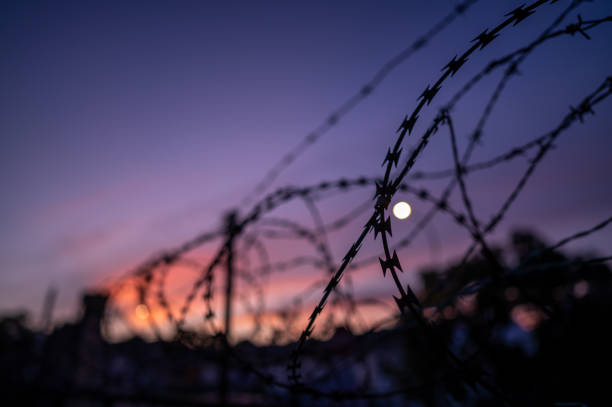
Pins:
x: 311, y: 374
x: 353, y: 101
x: 384, y: 192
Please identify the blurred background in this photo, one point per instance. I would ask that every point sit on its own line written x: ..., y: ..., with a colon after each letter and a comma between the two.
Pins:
x: 130, y: 130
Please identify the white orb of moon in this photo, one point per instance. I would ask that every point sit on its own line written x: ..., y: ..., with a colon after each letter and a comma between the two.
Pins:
x: 402, y: 210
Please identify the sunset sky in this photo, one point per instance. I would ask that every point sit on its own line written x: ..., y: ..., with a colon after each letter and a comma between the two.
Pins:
x: 129, y: 127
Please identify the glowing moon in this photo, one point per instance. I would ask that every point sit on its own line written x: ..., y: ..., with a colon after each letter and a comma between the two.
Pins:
x: 402, y: 210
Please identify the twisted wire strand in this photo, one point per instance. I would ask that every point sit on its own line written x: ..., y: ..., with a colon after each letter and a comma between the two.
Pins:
x: 388, y: 187
x: 352, y: 102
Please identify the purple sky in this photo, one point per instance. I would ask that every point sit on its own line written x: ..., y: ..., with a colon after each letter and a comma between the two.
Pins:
x: 130, y: 127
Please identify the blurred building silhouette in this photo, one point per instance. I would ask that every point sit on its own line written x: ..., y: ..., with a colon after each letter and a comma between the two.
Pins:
x: 539, y: 335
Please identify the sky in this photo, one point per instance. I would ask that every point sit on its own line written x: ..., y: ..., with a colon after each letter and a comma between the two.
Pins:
x: 129, y: 127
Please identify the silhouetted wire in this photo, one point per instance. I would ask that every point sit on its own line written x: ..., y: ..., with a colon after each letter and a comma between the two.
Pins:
x: 353, y: 101
x: 585, y: 107
x: 518, y: 15
x: 504, y: 157
x: 361, y: 182
x: 566, y: 240
x: 525, y: 268
x: 512, y: 70
x: 571, y: 29
x: 386, y: 188
x: 602, y: 92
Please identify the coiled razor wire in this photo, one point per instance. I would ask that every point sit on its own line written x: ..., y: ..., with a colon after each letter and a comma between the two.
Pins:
x: 256, y: 226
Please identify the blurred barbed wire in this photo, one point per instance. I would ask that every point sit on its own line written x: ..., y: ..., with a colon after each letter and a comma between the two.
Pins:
x: 245, y: 246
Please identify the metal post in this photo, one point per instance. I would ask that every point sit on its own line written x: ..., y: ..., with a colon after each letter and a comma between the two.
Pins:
x: 46, y: 321
x: 231, y: 231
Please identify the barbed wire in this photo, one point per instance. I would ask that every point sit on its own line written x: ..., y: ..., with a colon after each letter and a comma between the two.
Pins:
x: 352, y: 102
x: 257, y: 227
x: 575, y: 114
x: 388, y: 187
x: 524, y: 267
